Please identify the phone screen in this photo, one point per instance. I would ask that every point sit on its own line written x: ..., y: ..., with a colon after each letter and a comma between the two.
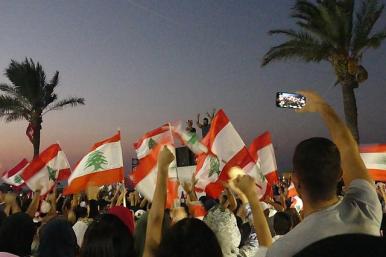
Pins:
x: 290, y: 100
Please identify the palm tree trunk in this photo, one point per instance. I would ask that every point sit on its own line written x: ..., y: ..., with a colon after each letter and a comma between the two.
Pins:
x: 350, y: 106
x: 36, y: 136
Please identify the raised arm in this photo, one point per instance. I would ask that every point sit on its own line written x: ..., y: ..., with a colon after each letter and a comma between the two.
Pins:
x: 198, y: 121
x: 156, y: 213
x: 275, y: 205
x: 247, y: 186
x: 189, y: 189
x: 34, y: 205
x: 352, y: 163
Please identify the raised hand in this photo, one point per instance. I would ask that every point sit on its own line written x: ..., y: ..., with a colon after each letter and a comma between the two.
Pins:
x: 165, y: 157
x: 314, y: 102
x: 246, y: 184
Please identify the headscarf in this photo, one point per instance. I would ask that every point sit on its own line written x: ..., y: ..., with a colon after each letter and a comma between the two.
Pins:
x: 223, y: 223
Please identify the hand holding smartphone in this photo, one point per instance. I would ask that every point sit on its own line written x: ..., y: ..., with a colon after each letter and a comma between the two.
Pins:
x: 290, y: 100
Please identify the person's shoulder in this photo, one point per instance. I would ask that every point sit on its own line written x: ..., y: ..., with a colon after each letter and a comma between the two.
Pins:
x: 362, y: 197
x: 361, y: 190
x: 290, y: 243
x: 282, y: 245
x: 362, y: 184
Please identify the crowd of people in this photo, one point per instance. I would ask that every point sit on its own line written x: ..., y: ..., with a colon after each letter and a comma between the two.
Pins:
x: 342, y: 211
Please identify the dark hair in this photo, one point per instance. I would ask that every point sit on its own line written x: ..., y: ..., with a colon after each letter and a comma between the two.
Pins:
x: 25, y: 203
x: 317, y: 164
x: 57, y: 238
x: 295, y: 216
x: 66, y: 205
x: 107, y: 236
x: 3, y: 216
x: 282, y: 223
x: 208, y: 202
x: 245, y: 231
x: 16, y: 234
x: 80, y: 212
x: 189, y: 238
x: 4, y: 188
x: 93, y: 205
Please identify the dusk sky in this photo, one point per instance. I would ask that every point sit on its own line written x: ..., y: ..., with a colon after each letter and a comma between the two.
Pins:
x: 141, y: 63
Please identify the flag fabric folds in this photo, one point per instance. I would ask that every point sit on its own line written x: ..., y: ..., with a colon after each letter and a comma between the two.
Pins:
x: 13, y: 176
x: 102, y: 165
x: 188, y: 139
x: 226, y: 149
x: 263, y: 153
x: 145, y: 144
x: 144, y: 176
x: 43, y: 172
x: 374, y: 157
x: 292, y: 191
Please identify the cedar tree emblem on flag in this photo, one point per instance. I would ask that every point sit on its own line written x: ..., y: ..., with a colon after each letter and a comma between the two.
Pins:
x: 18, y: 179
x: 152, y: 143
x: 96, y: 159
x: 214, y: 166
x: 51, y: 173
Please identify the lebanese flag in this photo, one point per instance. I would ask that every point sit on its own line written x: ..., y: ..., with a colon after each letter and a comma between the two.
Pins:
x: 292, y: 191
x: 263, y: 153
x: 374, y: 157
x: 145, y: 175
x: 226, y: 149
x: 13, y: 176
x: 188, y: 139
x: 144, y: 145
x: 103, y: 165
x: 43, y: 172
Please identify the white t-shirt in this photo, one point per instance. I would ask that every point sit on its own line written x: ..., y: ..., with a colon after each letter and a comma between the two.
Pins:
x: 80, y: 228
x: 358, y: 212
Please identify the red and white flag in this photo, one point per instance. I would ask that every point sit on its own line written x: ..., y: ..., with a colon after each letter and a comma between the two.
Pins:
x: 147, y: 142
x: 188, y: 139
x: 13, y: 176
x: 226, y: 149
x: 292, y: 191
x: 374, y: 157
x: 43, y: 172
x: 144, y: 176
x: 103, y: 165
x: 263, y: 153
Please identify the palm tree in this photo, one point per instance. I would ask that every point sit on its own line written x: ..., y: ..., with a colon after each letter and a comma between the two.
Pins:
x: 336, y: 31
x: 30, y: 96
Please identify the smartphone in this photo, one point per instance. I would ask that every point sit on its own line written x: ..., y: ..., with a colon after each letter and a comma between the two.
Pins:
x: 290, y: 100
